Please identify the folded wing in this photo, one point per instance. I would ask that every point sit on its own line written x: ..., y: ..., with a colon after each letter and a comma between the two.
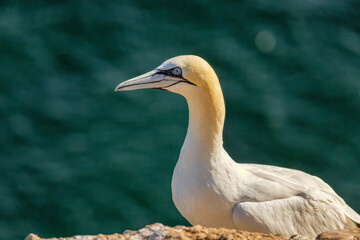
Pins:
x: 310, y: 208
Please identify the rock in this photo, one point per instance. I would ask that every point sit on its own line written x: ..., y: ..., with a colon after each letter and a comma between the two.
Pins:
x: 154, y: 231
x: 158, y: 231
x: 346, y: 234
x: 32, y: 236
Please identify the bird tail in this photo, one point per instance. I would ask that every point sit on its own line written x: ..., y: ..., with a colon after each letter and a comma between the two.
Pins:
x: 352, y: 217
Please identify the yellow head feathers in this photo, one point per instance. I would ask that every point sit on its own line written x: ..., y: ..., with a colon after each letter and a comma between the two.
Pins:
x: 195, y: 69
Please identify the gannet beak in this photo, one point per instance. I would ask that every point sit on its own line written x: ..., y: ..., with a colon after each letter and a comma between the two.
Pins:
x: 152, y: 79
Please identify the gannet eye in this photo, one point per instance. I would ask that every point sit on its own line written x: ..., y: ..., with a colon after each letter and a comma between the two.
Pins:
x: 176, y: 71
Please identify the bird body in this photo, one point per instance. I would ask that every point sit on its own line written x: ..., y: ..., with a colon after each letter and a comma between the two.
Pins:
x: 211, y: 189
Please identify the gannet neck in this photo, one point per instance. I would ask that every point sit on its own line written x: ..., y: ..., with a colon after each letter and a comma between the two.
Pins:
x: 206, y: 116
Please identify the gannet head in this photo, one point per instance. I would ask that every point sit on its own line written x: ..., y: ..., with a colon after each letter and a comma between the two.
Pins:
x: 185, y: 75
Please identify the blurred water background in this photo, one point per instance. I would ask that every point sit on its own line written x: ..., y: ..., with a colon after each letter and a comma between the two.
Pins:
x: 77, y: 158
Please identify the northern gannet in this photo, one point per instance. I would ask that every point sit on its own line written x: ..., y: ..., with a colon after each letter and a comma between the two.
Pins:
x: 209, y: 188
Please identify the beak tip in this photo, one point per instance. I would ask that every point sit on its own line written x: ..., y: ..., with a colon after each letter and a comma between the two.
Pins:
x: 143, y: 81
x: 118, y: 88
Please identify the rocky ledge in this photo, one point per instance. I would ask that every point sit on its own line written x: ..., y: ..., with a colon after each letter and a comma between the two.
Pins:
x: 157, y: 231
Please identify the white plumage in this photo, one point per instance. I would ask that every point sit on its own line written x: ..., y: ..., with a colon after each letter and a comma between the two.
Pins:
x: 211, y: 189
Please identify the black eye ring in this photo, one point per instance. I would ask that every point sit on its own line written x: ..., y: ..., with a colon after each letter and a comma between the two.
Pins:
x: 176, y: 71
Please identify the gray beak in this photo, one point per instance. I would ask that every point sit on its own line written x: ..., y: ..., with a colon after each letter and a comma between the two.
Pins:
x: 151, y: 79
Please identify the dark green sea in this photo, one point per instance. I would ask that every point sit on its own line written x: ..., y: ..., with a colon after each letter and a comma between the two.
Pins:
x: 78, y: 158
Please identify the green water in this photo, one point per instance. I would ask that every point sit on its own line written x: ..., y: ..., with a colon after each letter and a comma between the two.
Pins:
x: 77, y: 158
